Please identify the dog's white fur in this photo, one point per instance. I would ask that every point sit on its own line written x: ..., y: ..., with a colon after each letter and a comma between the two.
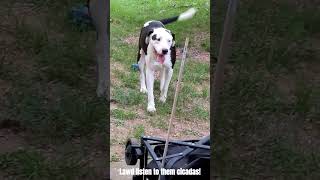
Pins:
x: 187, y: 15
x: 151, y: 65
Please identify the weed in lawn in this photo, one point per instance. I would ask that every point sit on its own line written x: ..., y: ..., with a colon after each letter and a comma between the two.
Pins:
x: 138, y: 131
x: 159, y: 122
x: 205, y: 93
x: 129, y: 97
x: 164, y: 109
x: 187, y: 93
x: 196, y: 73
x: 200, y: 113
x: 191, y: 132
x: 113, y: 141
x: 129, y: 80
x: 122, y: 116
x: 115, y: 158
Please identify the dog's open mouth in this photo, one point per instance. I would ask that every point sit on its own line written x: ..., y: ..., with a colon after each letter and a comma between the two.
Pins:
x: 159, y: 57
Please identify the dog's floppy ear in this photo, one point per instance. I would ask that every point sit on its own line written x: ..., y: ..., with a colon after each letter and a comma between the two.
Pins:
x: 173, y: 40
x: 173, y: 50
x: 173, y: 55
x: 150, y: 32
x: 148, y: 36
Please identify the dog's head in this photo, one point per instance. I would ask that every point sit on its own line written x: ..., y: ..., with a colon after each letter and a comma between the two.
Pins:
x: 162, y: 40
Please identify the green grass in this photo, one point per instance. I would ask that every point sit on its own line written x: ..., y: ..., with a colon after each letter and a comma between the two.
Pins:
x: 72, y: 115
x: 190, y: 132
x: 260, y: 130
x: 200, y: 113
x: 30, y: 164
x: 115, y: 158
x: 193, y: 98
x: 160, y: 123
x: 138, y: 131
x: 50, y: 70
x: 121, y: 116
x: 128, y: 97
x: 126, y: 22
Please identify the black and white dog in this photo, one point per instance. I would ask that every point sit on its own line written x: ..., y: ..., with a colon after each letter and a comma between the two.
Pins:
x: 157, y: 52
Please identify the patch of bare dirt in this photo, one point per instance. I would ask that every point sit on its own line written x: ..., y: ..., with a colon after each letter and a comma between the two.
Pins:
x: 116, y: 67
x: 5, y: 87
x: 195, y: 55
x: 132, y: 40
x: 311, y: 71
x: 286, y: 86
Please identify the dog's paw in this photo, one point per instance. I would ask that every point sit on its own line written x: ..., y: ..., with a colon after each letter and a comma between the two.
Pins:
x: 163, y: 99
x: 151, y: 109
x: 143, y: 90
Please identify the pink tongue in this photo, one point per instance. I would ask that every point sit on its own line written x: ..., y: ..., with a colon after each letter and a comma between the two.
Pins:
x: 160, y: 59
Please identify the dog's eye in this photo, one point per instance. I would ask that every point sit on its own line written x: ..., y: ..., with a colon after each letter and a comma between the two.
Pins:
x: 169, y: 40
x: 158, y: 39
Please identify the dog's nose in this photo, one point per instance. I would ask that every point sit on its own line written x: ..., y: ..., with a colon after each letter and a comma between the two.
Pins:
x: 164, y: 51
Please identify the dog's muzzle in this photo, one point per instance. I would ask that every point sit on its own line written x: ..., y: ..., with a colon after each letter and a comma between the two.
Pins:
x: 160, y: 57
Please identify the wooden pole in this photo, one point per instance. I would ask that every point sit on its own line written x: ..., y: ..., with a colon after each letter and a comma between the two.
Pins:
x: 184, y: 56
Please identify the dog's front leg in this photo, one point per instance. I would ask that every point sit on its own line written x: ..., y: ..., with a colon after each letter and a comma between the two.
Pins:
x: 164, y: 90
x: 162, y: 78
x: 142, y: 64
x: 150, y: 82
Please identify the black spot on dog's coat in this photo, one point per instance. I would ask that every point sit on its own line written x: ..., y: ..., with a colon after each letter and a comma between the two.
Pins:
x: 154, y: 37
x: 150, y: 32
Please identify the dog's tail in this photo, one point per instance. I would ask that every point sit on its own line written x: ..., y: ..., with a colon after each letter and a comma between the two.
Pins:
x: 183, y: 16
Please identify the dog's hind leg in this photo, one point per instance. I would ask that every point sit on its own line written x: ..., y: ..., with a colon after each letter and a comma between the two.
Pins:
x: 141, y: 64
x: 150, y: 82
x: 164, y: 91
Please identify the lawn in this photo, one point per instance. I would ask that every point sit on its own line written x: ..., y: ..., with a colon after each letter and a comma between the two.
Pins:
x: 268, y: 126
x: 51, y: 124
x: 129, y: 117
